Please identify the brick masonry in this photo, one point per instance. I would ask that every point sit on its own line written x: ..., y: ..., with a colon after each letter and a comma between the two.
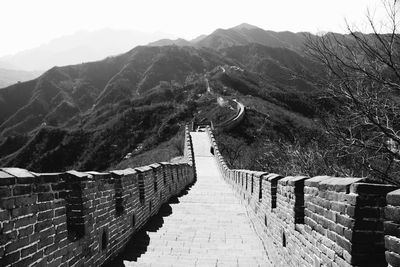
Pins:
x: 82, y: 218
x: 319, y: 221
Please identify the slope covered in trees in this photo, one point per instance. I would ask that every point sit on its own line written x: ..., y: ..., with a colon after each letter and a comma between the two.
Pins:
x: 76, y: 116
x: 130, y: 109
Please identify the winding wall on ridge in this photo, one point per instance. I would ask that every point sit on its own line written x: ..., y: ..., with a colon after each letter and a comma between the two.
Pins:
x: 82, y: 218
x: 319, y: 221
x: 234, y: 120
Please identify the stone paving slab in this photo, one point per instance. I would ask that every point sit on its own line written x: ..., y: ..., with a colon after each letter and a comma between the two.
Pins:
x: 208, y: 227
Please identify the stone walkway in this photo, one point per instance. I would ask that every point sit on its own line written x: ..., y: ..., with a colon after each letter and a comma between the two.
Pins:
x: 208, y: 227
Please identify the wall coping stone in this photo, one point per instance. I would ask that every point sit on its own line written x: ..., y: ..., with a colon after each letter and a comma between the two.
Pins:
x: 155, y: 165
x: 247, y: 171
x: 130, y: 171
x: 81, y: 175
x: 47, y: 177
x: 5, y: 175
x: 18, y: 172
x: 292, y: 180
x: 46, y: 173
x: 314, y: 181
x: 393, y: 198
x: 256, y: 173
x: 272, y: 177
x: 339, y: 184
x: 371, y: 189
x: 97, y: 173
x: 124, y: 172
x: 143, y: 169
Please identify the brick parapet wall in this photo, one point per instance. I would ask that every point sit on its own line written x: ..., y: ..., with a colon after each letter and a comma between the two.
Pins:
x: 82, y: 218
x: 392, y: 228
x: 319, y: 221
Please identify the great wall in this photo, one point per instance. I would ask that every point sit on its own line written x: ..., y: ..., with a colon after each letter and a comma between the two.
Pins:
x: 87, y: 218
x: 319, y: 221
x: 81, y: 218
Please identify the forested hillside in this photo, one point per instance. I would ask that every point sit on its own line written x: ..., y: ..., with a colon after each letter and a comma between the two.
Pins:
x: 131, y: 108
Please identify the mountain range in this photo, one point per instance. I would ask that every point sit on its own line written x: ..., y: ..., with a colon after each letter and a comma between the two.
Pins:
x: 90, y: 115
x: 10, y: 76
x: 82, y: 46
x: 242, y: 34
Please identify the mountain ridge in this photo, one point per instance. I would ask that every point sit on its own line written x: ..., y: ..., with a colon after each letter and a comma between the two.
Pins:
x: 82, y: 46
x: 12, y: 76
x: 241, y: 34
x: 91, y: 115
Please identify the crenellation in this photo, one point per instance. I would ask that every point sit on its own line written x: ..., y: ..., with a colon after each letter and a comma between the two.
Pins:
x: 146, y: 188
x: 81, y: 218
x: 322, y: 220
x: 392, y: 228
x: 85, y: 218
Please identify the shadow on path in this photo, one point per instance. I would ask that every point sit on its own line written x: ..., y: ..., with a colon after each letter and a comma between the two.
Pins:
x: 139, y: 241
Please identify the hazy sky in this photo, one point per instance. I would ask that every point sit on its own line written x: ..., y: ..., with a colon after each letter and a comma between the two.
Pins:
x: 29, y: 23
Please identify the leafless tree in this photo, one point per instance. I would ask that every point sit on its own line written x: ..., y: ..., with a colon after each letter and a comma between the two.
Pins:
x: 363, y: 78
x: 233, y: 150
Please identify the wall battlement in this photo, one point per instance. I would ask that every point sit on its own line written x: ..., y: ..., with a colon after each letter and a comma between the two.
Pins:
x: 82, y: 218
x: 319, y: 221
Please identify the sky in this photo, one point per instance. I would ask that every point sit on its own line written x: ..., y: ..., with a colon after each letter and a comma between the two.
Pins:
x: 28, y: 23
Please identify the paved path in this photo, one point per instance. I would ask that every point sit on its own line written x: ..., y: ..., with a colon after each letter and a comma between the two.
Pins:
x: 209, y: 227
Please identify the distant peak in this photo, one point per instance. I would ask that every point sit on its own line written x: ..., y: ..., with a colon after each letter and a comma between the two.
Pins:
x: 168, y: 42
x: 245, y: 26
x: 198, y: 38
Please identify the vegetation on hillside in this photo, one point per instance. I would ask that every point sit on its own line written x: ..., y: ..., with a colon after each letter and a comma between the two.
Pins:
x: 363, y: 77
x: 354, y: 118
x: 332, y: 111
